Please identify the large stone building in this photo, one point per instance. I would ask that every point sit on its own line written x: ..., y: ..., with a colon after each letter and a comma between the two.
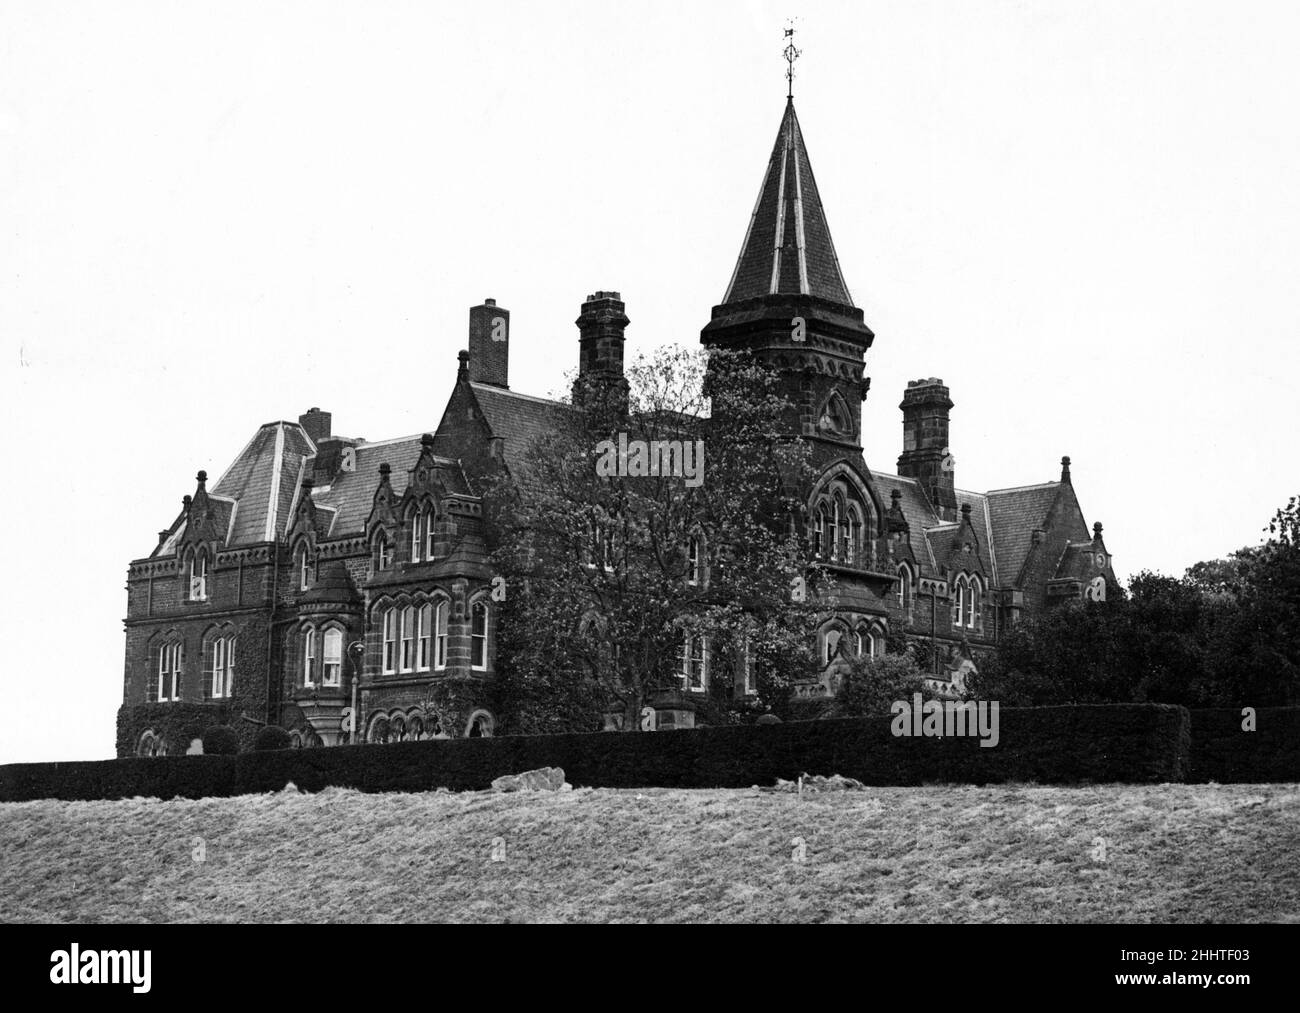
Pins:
x: 322, y: 573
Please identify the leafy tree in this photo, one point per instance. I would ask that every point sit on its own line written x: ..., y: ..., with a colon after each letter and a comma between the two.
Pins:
x: 872, y: 685
x: 1227, y: 634
x: 617, y: 580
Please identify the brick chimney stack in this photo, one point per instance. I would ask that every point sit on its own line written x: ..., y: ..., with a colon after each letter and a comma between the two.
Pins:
x: 601, y: 327
x: 317, y: 424
x: 489, y: 344
x: 926, y: 455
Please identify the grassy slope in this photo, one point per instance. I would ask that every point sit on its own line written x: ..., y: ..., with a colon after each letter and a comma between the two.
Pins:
x: 1174, y: 853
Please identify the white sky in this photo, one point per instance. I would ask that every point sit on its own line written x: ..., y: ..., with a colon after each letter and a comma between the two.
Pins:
x: 1083, y: 216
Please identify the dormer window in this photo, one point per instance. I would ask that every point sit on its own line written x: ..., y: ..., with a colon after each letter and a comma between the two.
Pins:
x: 304, y: 570
x: 905, y: 587
x: 198, y: 575
x: 972, y: 603
x: 383, y: 553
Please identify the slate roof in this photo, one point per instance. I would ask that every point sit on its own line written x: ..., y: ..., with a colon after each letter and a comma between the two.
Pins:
x: 1014, y: 514
x: 263, y: 480
x: 352, y: 493
x: 787, y: 248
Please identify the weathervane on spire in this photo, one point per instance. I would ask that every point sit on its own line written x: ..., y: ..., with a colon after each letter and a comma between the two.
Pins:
x: 791, y: 54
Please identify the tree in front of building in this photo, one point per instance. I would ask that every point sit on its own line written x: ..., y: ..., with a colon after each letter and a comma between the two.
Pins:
x: 655, y: 548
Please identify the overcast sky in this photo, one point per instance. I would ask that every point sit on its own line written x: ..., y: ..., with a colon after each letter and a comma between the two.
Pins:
x: 1083, y: 216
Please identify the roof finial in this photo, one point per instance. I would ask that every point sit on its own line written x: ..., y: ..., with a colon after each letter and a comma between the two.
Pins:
x: 791, y: 54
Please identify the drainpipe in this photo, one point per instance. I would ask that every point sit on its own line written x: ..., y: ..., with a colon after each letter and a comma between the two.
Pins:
x: 271, y: 624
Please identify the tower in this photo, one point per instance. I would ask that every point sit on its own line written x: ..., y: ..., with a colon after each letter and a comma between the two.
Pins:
x: 787, y: 302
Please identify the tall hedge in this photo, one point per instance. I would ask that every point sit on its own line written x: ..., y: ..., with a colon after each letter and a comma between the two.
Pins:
x: 1225, y: 751
x: 1142, y: 743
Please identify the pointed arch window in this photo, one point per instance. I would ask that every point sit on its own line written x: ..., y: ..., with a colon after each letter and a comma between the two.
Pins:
x: 959, y: 600
x: 972, y: 603
x: 695, y: 562
x: 423, y: 634
x: 333, y: 658
x: 694, y: 671
x: 835, y: 518
x: 408, y: 639
x: 831, y: 644
x: 383, y: 552
x: 198, y: 575
x: 304, y: 569
x: 417, y: 539
x: 171, y: 660
x: 905, y: 587
x: 222, y: 674
x: 390, y: 641
x: 819, y: 531
x: 440, y: 612
x: 428, y: 533
x: 478, y: 635
x: 852, y: 534
x: 309, y: 658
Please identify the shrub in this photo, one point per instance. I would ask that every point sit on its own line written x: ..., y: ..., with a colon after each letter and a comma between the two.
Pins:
x: 271, y: 737
x: 220, y: 740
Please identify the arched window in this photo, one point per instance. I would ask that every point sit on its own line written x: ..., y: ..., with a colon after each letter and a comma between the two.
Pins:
x: 383, y: 553
x: 198, y: 573
x: 905, y: 586
x: 478, y: 636
x: 834, y: 519
x: 694, y: 670
x: 694, y: 562
x: 408, y: 638
x: 390, y: 641
x: 171, y: 659
x: 304, y: 569
x: 869, y: 641
x: 958, y: 599
x: 221, y: 679
x: 428, y: 533
x: 744, y: 675
x: 831, y: 644
x: 819, y: 531
x: 972, y: 603
x: 852, y: 534
x: 440, y: 634
x: 309, y: 658
x: 333, y: 652
x: 417, y: 539
x: 423, y: 633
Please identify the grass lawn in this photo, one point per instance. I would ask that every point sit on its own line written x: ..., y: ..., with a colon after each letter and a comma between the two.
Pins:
x: 1167, y: 853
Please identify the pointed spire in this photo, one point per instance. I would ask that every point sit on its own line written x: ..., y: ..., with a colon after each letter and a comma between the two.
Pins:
x: 787, y: 248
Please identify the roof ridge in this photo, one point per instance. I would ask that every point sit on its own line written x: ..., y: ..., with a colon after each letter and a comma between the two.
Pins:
x: 515, y: 393
x: 1022, y: 488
